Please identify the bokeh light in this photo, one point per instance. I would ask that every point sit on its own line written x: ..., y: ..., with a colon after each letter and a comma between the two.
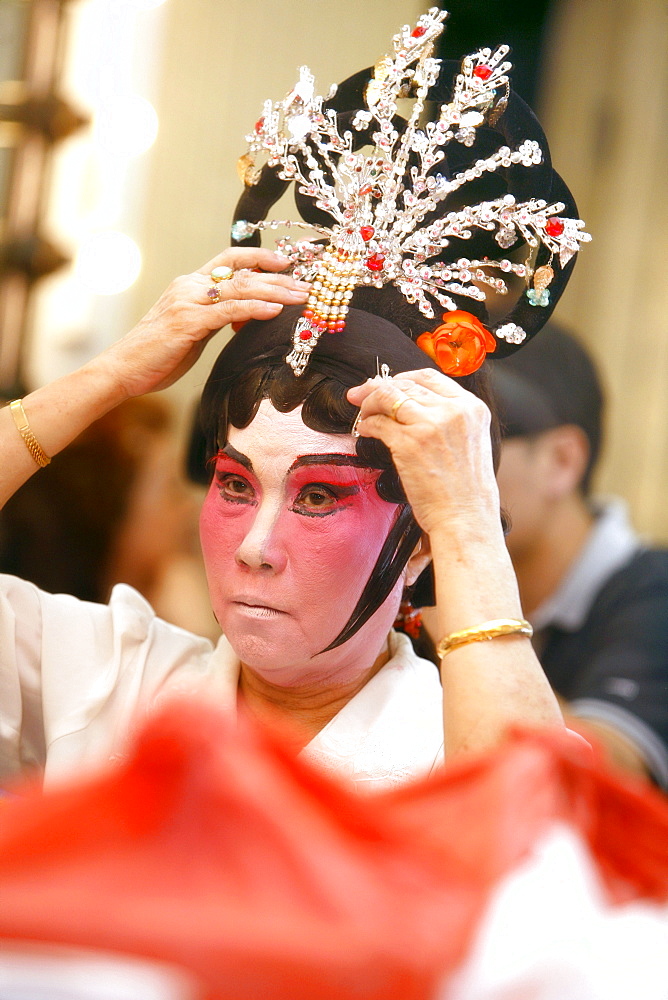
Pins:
x: 108, y: 262
x: 126, y: 126
x: 141, y: 4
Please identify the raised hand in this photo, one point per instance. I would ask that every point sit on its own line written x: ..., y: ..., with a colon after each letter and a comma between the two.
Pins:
x: 439, y: 437
x: 171, y: 336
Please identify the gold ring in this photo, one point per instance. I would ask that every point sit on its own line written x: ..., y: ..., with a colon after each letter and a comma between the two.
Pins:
x: 395, y: 407
x: 222, y: 273
x: 213, y: 292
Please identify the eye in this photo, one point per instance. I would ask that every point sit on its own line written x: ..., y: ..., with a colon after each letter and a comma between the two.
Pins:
x: 318, y: 500
x: 235, y: 488
x: 316, y: 497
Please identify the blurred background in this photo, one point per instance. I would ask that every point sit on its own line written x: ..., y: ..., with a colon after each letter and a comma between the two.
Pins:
x: 121, y: 122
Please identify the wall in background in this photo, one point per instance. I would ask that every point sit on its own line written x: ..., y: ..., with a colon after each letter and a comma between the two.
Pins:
x: 605, y: 111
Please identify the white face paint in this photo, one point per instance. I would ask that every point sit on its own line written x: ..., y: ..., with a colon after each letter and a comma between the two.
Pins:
x: 291, y: 529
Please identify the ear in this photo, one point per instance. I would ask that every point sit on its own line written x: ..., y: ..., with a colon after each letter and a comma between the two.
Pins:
x: 569, y: 454
x: 418, y: 561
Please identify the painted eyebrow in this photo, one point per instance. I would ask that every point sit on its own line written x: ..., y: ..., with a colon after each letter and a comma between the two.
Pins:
x: 236, y: 456
x: 328, y: 459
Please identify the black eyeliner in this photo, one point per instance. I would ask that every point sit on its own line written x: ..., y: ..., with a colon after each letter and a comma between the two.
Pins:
x: 337, y: 492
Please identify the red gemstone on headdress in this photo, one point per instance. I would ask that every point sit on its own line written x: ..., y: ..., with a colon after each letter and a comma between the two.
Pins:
x: 366, y: 189
x: 340, y: 324
x: 375, y: 262
x: 483, y: 72
x: 554, y: 227
x: 418, y: 32
x: 305, y: 335
x: 259, y: 125
x: 366, y: 232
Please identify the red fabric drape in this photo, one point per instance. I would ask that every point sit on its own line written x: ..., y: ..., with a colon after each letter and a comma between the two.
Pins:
x: 215, y: 849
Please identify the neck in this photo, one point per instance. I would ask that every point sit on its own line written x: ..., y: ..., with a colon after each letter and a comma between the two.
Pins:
x: 541, y: 566
x: 308, y: 708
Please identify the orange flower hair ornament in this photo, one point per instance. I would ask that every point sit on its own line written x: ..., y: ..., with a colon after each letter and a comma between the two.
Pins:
x: 459, y: 345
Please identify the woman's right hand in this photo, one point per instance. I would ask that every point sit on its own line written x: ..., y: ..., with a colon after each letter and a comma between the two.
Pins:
x: 165, y: 344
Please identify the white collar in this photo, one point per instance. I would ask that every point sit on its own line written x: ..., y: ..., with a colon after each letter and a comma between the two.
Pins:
x: 387, y: 734
x: 392, y: 730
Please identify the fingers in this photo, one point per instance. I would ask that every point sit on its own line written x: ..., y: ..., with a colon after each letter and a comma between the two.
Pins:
x: 240, y: 310
x: 419, y: 401
x: 228, y: 300
x: 239, y: 257
x: 246, y: 284
x: 255, y: 289
x: 408, y: 382
x: 400, y: 399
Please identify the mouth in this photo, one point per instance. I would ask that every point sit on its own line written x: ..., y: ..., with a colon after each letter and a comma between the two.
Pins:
x: 256, y: 610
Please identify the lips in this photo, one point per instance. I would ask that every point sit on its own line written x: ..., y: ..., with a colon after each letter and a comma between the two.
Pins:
x: 257, y: 608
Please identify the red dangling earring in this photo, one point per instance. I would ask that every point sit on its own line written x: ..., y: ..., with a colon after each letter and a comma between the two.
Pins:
x: 409, y: 619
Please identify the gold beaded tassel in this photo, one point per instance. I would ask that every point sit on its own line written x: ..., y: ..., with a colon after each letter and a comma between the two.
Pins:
x: 327, y: 305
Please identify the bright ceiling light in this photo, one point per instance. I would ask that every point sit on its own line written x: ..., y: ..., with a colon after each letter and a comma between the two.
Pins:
x: 107, y: 263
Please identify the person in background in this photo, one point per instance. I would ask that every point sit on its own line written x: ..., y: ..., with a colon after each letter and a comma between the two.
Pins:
x: 595, y: 593
x: 114, y: 509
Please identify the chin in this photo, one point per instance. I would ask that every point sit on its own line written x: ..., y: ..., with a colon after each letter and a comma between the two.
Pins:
x: 264, y: 653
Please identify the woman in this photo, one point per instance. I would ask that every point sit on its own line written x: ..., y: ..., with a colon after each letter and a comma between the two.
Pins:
x: 279, y: 616
x: 311, y: 534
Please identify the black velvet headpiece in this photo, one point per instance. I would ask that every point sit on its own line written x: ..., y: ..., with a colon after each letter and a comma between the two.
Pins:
x: 349, y: 356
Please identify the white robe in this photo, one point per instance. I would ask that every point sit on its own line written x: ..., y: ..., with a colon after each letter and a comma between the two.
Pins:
x: 76, y: 679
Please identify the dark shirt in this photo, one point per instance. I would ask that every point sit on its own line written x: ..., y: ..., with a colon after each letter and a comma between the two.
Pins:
x: 614, y: 666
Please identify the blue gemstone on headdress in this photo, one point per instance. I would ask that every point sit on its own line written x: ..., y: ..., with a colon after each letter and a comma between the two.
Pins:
x: 538, y: 297
x: 241, y: 230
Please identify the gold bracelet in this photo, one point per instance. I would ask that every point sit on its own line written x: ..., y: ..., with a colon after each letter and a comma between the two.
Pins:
x: 489, y: 630
x: 23, y: 427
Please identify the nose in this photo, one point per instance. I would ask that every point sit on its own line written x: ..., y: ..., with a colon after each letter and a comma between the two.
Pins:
x: 261, y: 547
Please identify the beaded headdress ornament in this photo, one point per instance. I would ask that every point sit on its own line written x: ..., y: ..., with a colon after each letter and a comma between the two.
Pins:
x: 382, y: 192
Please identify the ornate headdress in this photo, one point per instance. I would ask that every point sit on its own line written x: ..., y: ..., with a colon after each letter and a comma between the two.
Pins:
x: 385, y: 193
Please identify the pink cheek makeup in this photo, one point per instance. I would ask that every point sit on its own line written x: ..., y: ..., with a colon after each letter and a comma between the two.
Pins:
x: 335, y: 504
x: 345, y: 539
x: 224, y: 522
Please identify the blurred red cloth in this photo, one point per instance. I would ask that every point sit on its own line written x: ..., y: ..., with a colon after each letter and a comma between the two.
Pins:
x: 215, y: 849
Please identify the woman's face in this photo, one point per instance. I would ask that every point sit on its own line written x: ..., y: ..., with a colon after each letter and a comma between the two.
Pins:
x: 291, y: 529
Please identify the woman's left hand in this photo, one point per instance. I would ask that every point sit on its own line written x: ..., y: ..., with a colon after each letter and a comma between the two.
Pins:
x: 439, y: 436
